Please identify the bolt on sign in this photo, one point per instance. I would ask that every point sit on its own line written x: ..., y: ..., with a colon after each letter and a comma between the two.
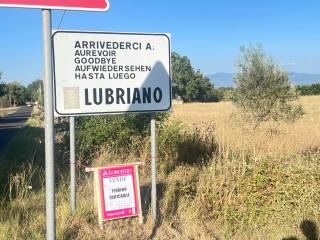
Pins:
x: 107, y: 73
x: 92, y: 5
x: 117, y: 192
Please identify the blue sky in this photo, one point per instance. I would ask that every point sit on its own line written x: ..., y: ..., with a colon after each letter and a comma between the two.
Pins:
x: 209, y: 32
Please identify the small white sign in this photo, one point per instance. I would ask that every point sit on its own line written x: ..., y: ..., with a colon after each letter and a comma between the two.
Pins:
x: 118, y: 193
x: 107, y: 73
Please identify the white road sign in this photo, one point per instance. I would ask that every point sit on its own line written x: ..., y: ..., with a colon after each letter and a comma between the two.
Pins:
x: 105, y: 73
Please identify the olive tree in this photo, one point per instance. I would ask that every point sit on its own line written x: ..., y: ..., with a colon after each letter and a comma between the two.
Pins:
x: 263, y: 91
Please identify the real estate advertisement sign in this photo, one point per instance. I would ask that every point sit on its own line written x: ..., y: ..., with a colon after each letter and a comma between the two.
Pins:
x: 119, y: 195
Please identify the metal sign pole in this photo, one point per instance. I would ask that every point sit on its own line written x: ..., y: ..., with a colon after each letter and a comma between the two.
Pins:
x: 153, y: 169
x: 72, y: 166
x: 49, y: 124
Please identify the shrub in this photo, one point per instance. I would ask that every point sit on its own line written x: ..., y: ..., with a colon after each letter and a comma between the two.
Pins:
x: 114, y: 131
x: 306, y: 90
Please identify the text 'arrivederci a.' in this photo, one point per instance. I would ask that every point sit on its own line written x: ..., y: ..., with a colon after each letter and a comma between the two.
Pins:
x: 98, y: 60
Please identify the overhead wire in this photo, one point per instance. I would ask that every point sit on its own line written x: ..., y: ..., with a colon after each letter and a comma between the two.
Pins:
x: 64, y: 12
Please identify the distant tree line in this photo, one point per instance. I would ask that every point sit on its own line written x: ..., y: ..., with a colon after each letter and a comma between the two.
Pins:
x: 188, y: 83
x: 226, y: 93
x: 306, y: 90
x: 14, y: 94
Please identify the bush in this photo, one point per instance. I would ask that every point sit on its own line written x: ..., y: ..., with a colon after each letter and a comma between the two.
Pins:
x: 307, y: 90
x: 114, y: 131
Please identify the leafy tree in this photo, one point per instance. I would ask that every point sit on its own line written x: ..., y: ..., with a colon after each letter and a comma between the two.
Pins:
x: 11, y: 94
x: 182, y: 73
x: 199, y: 89
x: 263, y: 91
x: 35, y: 91
x: 189, y: 84
x: 3, y: 92
x: 3, y: 89
x: 16, y: 94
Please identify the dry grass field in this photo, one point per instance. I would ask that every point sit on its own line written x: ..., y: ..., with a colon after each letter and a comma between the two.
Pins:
x: 283, y: 156
x: 218, y: 178
x: 276, y: 139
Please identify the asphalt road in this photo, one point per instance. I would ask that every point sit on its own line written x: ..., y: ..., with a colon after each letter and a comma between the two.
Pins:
x: 12, y: 123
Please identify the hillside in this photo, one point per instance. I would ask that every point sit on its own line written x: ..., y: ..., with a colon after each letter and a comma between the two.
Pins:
x: 223, y: 79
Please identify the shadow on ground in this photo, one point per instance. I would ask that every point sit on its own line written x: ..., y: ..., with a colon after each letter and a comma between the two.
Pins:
x: 309, y: 230
x: 145, y: 191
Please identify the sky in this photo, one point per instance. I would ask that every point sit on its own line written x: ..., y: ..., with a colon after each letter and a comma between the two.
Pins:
x: 210, y: 33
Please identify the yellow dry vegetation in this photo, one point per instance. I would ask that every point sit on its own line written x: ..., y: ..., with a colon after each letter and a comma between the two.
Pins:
x: 276, y: 139
x: 218, y: 178
x: 262, y: 182
x: 5, y: 111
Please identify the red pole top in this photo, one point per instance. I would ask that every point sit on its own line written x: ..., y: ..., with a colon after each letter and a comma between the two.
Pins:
x: 84, y: 5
